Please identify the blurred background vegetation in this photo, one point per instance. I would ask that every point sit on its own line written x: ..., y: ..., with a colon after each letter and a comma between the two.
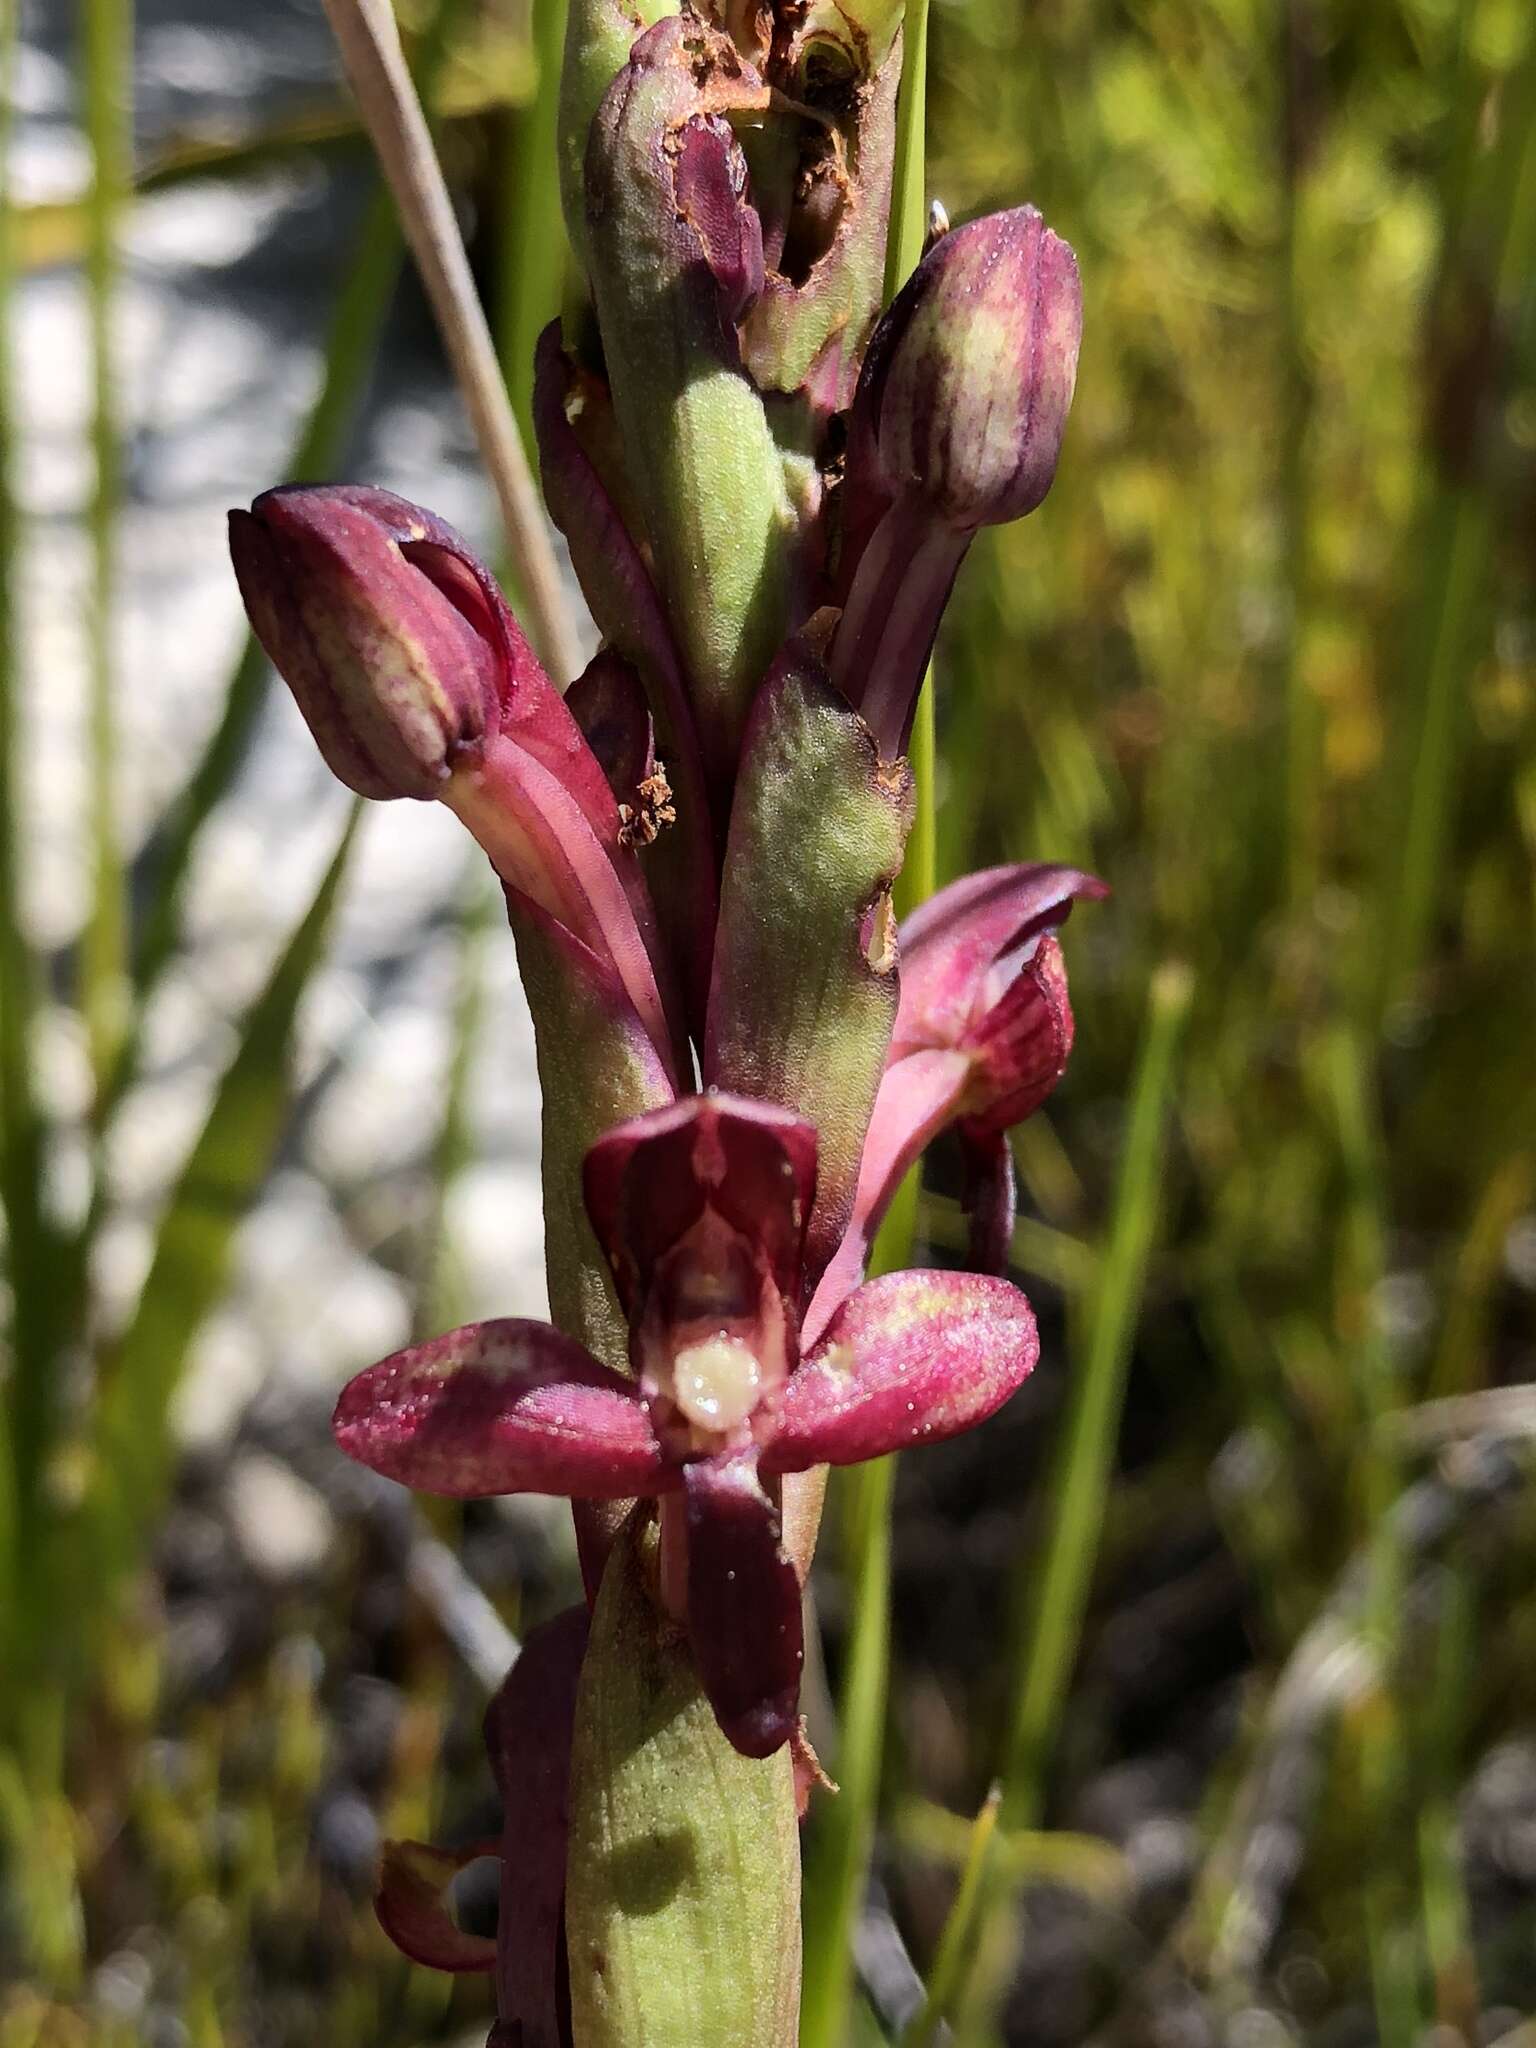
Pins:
x: 1231, y: 1614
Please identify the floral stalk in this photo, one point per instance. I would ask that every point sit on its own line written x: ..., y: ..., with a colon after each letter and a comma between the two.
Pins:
x: 767, y: 495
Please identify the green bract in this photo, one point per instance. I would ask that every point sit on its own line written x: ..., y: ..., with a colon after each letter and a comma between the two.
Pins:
x: 804, y: 993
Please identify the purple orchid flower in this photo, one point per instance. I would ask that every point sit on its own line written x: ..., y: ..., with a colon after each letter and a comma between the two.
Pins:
x: 982, y: 1036
x: 701, y: 1209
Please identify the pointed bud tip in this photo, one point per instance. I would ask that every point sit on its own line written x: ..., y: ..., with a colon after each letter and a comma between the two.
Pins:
x: 364, y: 604
x: 970, y: 376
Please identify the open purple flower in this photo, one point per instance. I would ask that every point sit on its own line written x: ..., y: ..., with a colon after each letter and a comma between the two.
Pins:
x: 701, y: 1209
x: 981, y: 1039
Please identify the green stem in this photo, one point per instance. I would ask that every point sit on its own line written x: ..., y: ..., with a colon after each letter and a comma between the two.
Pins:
x: 31, y: 1241
x: 1363, y: 1259
x: 107, y: 68
x: 1486, y: 264
x: 1303, y: 836
x: 1080, y: 1486
x: 1057, y: 1585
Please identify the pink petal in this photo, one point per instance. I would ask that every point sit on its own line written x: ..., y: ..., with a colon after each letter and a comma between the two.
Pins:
x: 911, y: 1358
x: 501, y: 1407
x: 744, y: 1619
x: 918, y: 1097
x: 959, y: 945
x: 528, y: 1729
x: 412, y: 1906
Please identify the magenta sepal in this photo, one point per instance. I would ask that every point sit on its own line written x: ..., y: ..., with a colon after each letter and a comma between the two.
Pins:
x: 911, y: 1358
x: 916, y: 1102
x: 541, y: 844
x: 990, y: 1198
x: 393, y: 681
x: 701, y: 1208
x: 416, y: 681
x: 502, y: 1407
x: 649, y: 1182
x: 528, y: 1730
x: 743, y: 1605
x: 411, y: 1902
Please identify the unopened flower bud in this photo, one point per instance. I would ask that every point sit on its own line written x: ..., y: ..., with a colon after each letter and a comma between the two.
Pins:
x: 969, y: 378
x: 956, y: 424
x: 374, y: 613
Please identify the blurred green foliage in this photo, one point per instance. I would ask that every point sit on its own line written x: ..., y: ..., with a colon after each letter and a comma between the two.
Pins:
x: 1266, y: 660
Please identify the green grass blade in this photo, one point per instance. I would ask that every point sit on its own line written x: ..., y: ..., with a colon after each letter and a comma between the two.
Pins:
x: 1487, y: 257
x: 1057, y: 1585
x: 107, y: 84
x: 954, y: 1943
x: 532, y: 254
x: 220, y: 1179
x: 1379, y: 1732
x: 31, y: 1243
x: 838, y: 1851
x: 1080, y: 1483
x: 837, y: 1860
x: 437, y: 1295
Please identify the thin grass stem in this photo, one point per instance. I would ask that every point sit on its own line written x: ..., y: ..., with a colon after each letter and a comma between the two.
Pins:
x: 26, y: 1411
x: 1363, y: 1256
x: 107, y: 79
x: 1056, y: 1586
x: 532, y: 255
x: 369, y: 43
